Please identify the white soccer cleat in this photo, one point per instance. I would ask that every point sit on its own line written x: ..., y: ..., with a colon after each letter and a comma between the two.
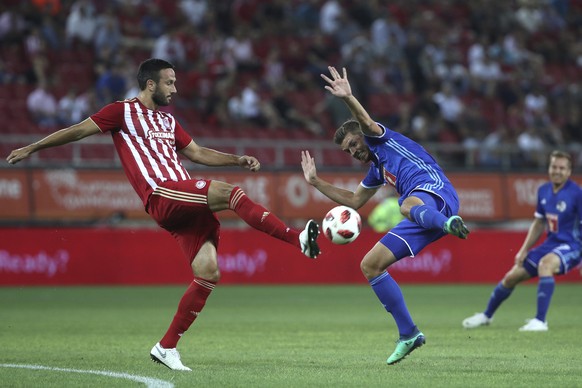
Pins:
x: 534, y: 325
x: 167, y: 357
x: 308, y: 239
x: 479, y: 319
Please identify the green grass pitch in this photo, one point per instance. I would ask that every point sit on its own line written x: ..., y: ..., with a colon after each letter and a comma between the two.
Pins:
x: 285, y: 336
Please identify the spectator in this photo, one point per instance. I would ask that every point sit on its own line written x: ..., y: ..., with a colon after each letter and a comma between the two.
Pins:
x: 453, y: 72
x: 451, y: 106
x: 493, y: 147
x: 36, y: 51
x: 239, y: 54
x: 305, y: 15
x: 195, y: 11
x: 250, y: 108
x: 273, y: 69
x: 386, y: 35
x: 572, y: 127
x: 42, y: 105
x: 107, y: 33
x: 66, y: 107
x: 289, y: 116
x: 81, y: 23
x: 529, y: 16
x: 532, y: 147
x: 333, y: 109
x: 330, y: 17
x: 12, y: 24
x: 111, y: 85
x: 485, y: 75
x: 153, y: 22
x: 319, y: 51
x: 358, y: 54
x: 170, y: 48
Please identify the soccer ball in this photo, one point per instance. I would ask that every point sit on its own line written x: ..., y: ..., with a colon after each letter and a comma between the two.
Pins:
x: 342, y: 225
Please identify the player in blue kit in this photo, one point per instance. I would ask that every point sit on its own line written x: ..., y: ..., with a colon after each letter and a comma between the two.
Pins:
x: 427, y: 200
x: 559, y: 210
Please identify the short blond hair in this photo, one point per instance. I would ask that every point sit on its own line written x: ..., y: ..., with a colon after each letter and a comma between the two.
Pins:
x: 563, y: 155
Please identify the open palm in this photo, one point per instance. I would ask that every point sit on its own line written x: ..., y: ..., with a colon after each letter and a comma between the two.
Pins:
x: 339, y: 85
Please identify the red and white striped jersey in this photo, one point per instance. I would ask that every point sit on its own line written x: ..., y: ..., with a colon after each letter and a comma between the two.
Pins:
x: 146, y: 141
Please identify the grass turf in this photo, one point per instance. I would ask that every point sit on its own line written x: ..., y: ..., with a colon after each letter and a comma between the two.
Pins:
x: 286, y: 336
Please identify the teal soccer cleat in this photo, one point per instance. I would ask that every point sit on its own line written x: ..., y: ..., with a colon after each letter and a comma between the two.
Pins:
x: 456, y: 227
x: 405, y: 347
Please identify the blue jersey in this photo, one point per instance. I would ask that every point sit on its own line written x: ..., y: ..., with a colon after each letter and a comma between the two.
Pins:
x: 402, y: 163
x: 562, y: 212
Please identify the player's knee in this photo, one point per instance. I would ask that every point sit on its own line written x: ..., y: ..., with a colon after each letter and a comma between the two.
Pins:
x: 370, y: 267
x: 515, y: 276
x: 220, y: 195
x: 547, y: 267
x: 208, y: 272
x: 214, y: 276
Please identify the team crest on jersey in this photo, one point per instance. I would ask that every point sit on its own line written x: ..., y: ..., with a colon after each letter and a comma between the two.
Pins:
x: 166, y: 123
x: 561, y: 206
x: 200, y: 184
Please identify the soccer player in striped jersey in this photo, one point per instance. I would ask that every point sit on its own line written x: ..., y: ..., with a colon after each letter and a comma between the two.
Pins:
x: 427, y: 200
x: 559, y: 213
x: 148, y: 142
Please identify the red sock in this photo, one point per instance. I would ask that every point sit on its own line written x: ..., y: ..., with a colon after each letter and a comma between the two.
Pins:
x: 189, y: 307
x: 260, y: 218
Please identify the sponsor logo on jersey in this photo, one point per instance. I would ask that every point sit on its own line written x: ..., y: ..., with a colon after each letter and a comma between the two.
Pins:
x: 389, y: 177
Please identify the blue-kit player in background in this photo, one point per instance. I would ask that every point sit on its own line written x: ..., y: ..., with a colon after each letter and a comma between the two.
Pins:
x: 559, y: 211
x: 427, y: 200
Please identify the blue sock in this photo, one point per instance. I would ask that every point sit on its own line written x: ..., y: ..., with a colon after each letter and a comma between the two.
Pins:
x: 388, y: 291
x: 546, y: 287
x: 428, y: 217
x: 498, y: 295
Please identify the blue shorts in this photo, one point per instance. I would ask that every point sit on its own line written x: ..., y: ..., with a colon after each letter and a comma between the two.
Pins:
x: 569, y: 255
x: 408, y: 238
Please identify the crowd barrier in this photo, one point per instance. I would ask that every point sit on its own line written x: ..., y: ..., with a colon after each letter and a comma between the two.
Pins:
x: 44, y: 195
x: 109, y: 256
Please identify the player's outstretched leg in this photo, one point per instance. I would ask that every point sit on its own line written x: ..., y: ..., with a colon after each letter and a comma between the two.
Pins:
x: 167, y: 357
x: 405, y: 347
x: 456, y: 226
x: 308, y: 239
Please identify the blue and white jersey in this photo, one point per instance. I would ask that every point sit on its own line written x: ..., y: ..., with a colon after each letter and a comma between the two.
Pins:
x: 562, y: 211
x: 402, y: 163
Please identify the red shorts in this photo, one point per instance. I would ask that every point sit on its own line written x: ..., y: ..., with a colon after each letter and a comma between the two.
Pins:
x: 182, y: 209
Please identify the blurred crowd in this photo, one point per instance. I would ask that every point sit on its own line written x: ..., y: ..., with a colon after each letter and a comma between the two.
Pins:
x: 484, y: 74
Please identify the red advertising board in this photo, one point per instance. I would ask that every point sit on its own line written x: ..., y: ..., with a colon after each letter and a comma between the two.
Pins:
x: 522, y: 194
x: 71, y: 194
x: 150, y: 256
x: 82, y: 194
x: 481, y: 196
x: 14, y: 195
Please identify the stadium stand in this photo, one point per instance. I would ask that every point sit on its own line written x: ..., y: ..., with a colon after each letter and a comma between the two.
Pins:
x: 408, y: 39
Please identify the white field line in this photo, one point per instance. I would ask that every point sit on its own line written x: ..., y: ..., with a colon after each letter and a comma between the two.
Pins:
x: 148, y: 381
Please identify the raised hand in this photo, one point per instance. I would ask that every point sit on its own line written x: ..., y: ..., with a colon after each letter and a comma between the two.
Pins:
x: 308, y: 166
x: 339, y: 85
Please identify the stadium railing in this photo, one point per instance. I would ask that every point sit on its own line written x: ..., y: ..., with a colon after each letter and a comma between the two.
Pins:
x: 283, y: 154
